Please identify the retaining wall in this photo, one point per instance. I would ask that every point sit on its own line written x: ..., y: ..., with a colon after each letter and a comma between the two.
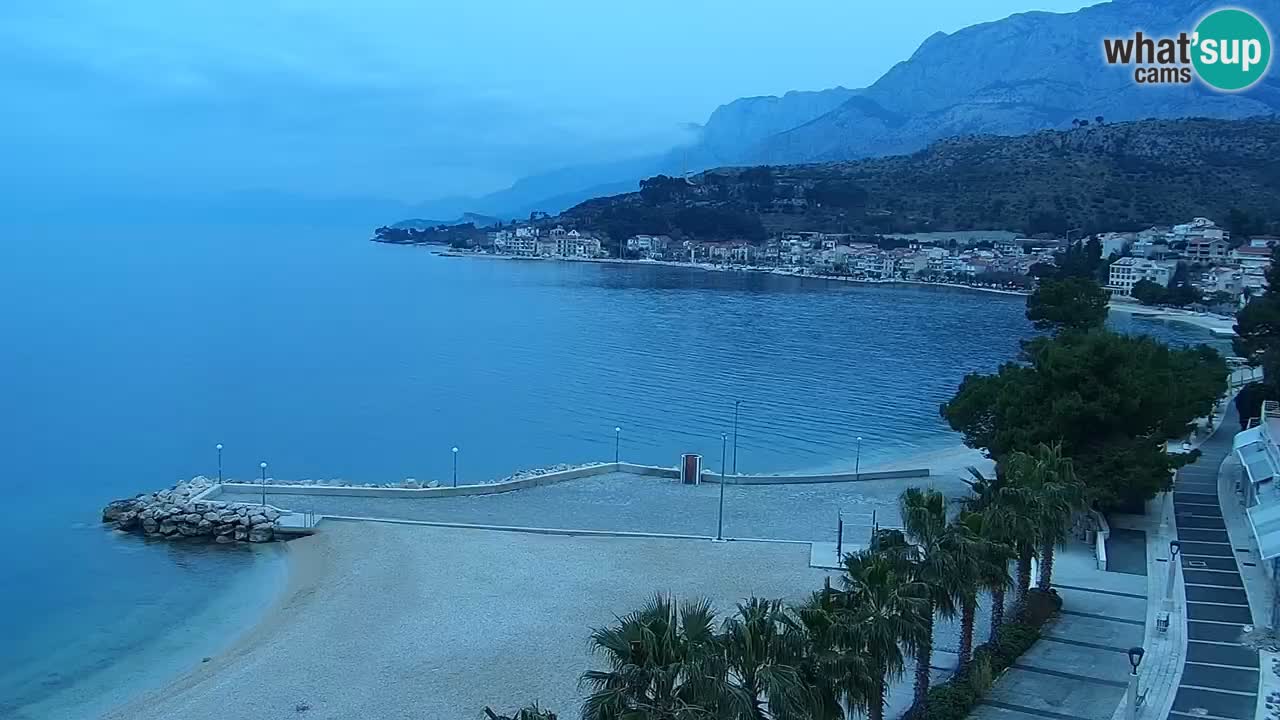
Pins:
x: 557, y: 477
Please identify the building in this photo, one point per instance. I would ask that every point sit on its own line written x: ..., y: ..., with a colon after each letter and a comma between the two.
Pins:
x: 648, y: 245
x: 1258, y: 448
x: 1128, y: 271
x: 575, y: 244
x: 1207, y: 250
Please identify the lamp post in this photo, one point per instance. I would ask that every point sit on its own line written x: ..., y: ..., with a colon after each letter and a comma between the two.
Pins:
x: 617, y: 444
x: 219, y: 449
x: 455, y: 466
x: 263, y: 467
x: 1174, y: 547
x: 857, y: 462
x: 724, y: 441
x: 736, y: 403
x: 1135, y: 659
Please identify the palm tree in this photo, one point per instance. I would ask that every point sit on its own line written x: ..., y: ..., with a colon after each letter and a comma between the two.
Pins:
x: 942, y: 559
x: 763, y: 660
x: 528, y: 712
x: 1058, y: 495
x: 1014, y: 516
x: 664, y: 663
x: 833, y: 667
x: 1002, y: 524
x: 887, y: 609
x: 991, y: 573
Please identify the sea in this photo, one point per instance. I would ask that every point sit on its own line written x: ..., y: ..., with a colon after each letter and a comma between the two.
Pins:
x: 127, y: 355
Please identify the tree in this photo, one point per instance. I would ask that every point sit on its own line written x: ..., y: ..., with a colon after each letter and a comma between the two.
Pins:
x: 941, y: 559
x: 1258, y: 327
x: 1067, y: 304
x: 991, y: 555
x: 1047, y: 484
x: 886, y: 611
x: 1149, y: 292
x: 763, y: 662
x: 665, y: 663
x: 1111, y: 400
x: 833, y: 667
x: 528, y: 712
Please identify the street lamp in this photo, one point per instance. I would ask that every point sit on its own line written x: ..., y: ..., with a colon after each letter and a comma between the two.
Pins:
x: 219, y: 448
x: 263, y: 467
x: 724, y: 440
x: 1174, y: 547
x: 736, y: 403
x: 617, y: 444
x: 857, y: 462
x: 455, y: 466
x: 1135, y: 659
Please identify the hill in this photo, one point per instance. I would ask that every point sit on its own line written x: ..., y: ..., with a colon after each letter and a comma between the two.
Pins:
x: 1027, y: 72
x: 1101, y: 177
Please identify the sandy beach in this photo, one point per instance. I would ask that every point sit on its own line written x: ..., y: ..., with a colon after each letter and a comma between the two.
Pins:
x: 391, y: 621
x: 399, y: 620
x: 1217, y: 324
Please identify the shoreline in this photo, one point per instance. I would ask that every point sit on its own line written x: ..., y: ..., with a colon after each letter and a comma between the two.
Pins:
x: 1220, y: 326
x: 304, y: 567
x: 309, y: 563
x: 712, y: 267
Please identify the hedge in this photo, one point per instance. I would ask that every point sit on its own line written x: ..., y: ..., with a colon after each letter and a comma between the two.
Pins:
x: 956, y: 698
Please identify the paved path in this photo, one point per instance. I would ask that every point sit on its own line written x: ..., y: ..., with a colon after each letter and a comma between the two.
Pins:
x: 633, y: 503
x: 1219, y: 674
x: 1077, y: 669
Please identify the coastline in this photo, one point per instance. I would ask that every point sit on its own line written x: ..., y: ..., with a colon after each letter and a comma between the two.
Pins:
x: 1220, y: 326
x: 304, y: 566
x: 712, y: 267
x: 321, y: 570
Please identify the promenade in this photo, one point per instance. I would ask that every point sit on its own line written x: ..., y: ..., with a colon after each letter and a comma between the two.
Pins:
x: 1219, y: 674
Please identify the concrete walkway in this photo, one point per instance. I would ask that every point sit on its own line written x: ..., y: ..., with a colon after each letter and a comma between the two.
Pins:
x: 1077, y: 669
x: 1219, y: 674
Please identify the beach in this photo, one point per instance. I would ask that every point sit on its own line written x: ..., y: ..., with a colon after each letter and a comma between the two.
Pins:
x: 1217, y: 324
x: 408, y: 620
x: 391, y: 621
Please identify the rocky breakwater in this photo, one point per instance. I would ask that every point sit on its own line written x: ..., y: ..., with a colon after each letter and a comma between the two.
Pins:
x: 174, y: 513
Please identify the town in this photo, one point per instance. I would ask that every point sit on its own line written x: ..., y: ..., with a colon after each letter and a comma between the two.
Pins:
x: 1197, y: 263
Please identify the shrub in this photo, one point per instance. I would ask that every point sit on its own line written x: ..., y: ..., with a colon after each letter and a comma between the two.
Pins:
x: 956, y: 698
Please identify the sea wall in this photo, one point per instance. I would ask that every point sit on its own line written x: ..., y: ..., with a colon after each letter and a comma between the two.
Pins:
x: 184, y: 512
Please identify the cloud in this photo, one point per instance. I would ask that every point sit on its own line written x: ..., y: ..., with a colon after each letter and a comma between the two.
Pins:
x: 403, y: 99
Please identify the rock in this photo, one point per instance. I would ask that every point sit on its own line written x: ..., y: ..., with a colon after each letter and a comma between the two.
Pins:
x: 211, y: 516
x: 168, y: 528
x: 410, y: 484
x: 261, y: 534
x: 433, y: 483
x: 242, y: 533
x: 150, y: 526
x: 116, y: 508
x: 224, y: 539
x: 188, y: 531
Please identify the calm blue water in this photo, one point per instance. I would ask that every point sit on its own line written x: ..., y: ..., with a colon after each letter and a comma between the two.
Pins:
x: 127, y: 356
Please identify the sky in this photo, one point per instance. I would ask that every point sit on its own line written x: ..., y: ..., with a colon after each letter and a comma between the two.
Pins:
x: 408, y: 100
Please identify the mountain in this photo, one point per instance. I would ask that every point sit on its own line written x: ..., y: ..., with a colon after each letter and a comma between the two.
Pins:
x: 739, y: 124
x: 1031, y: 71
x: 1027, y: 72
x: 463, y: 219
x: 1120, y: 176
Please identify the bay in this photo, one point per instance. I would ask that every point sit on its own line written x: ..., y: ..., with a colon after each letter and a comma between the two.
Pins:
x: 128, y: 353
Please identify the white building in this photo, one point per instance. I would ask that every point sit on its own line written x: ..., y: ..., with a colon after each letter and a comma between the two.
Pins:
x: 1258, y: 448
x: 1128, y: 271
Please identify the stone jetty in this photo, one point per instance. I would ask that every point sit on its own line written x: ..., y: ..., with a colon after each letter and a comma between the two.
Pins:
x: 175, y: 513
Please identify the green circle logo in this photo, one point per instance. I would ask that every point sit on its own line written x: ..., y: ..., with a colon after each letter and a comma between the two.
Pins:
x: 1232, y: 49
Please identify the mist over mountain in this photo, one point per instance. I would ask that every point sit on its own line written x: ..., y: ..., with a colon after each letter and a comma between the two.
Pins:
x: 1030, y: 71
